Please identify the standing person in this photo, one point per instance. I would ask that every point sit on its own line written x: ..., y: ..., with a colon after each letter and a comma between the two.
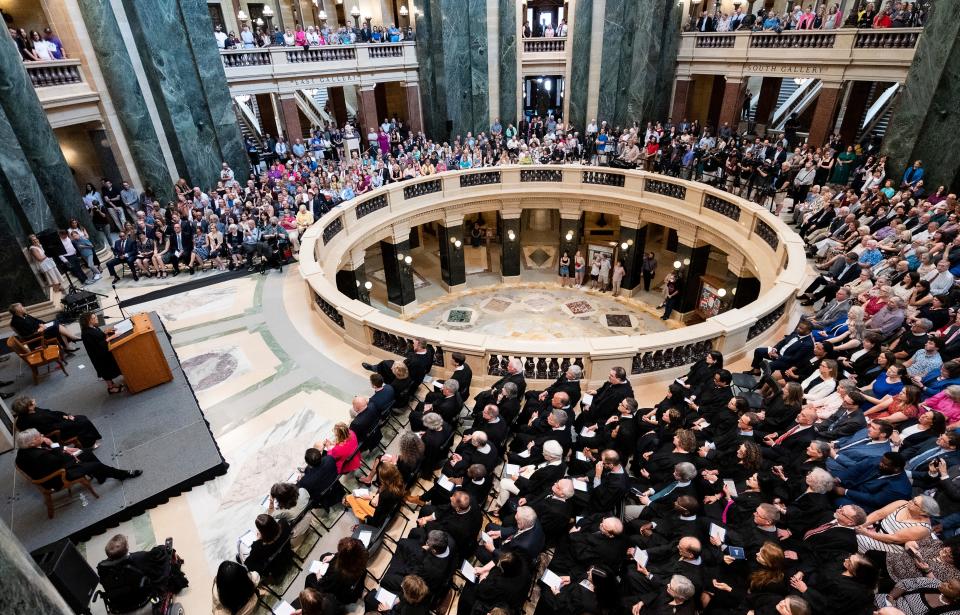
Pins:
x: 618, y: 272
x: 648, y: 269
x: 564, y: 269
x: 604, y: 277
x: 48, y: 268
x: 95, y: 342
x: 595, y: 271
x: 579, y: 268
x: 671, y: 294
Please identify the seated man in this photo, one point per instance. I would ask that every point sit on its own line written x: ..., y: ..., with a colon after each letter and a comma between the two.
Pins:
x: 130, y: 580
x: 514, y: 374
x: 591, y: 542
x: 459, y: 518
x: 533, y: 481
x: 26, y: 326
x: 433, y: 561
x: 124, y: 252
x: 790, y: 351
x: 445, y: 402
x: 525, y: 535
x: 383, y: 394
x: 364, y: 419
x: 568, y: 382
x: 319, y: 478
x: 38, y: 458
x: 553, y: 509
x: 419, y: 361
x: 555, y: 430
x: 869, y: 443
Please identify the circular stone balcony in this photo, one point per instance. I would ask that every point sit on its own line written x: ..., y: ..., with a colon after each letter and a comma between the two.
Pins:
x: 700, y: 214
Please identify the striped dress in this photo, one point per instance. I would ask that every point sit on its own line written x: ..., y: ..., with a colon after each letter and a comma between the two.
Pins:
x: 889, y: 525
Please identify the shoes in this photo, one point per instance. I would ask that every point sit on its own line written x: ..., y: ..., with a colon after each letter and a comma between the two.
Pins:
x: 114, y: 390
x: 68, y: 350
x: 176, y: 273
x: 5, y: 383
x: 191, y: 269
x: 97, y: 277
x: 250, y: 268
x: 131, y: 474
x: 806, y: 303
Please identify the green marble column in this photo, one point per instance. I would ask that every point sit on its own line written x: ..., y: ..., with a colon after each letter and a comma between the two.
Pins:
x: 433, y: 91
x: 699, y: 257
x: 508, y: 61
x: 17, y: 281
x: 25, y: 588
x: 632, y: 257
x: 399, y: 276
x: 34, y: 136
x: 925, y: 119
x: 510, y: 248
x: 479, y: 119
x: 114, y: 60
x: 580, y: 64
x: 26, y: 209
x: 453, y: 269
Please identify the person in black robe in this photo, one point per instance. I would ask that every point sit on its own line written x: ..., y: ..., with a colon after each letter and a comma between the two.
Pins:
x: 95, y: 343
x: 27, y: 414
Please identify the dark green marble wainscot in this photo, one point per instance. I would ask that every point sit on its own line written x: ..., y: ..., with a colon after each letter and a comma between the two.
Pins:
x: 508, y: 61
x: 925, y: 120
x: 114, y: 60
x: 580, y: 65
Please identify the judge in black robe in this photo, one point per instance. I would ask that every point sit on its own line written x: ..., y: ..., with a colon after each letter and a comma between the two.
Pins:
x: 29, y: 416
x: 95, y: 343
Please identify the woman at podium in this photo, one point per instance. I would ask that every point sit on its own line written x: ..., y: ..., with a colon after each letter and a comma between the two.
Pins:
x: 95, y: 343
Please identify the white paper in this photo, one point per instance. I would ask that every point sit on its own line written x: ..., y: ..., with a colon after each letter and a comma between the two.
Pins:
x: 359, y: 493
x: 485, y: 537
x: 586, y: 585
x: 437, y: 384
x: 641, y: 556
x: 525, y: 454
x: 689, y: 400
x: 284, y: 608
x: 386, y: 597
x: 468, y: 572
x: 731, y: 486
x: 248, y: 538
x: 445, y: 483
x: 551, y: 579
x: 511, y: 469
x: 718, y: 532
x: 319, y: 568
x: 579, y: 485
x: 586, y: 400
x: 586, y: 433
x: 581, y: 456
x: 680, y: 381
x: 54, y: 445
x: 365, y: 537
x: 124, y: 326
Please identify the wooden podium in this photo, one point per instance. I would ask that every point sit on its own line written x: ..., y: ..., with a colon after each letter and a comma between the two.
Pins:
x: 139, y: 356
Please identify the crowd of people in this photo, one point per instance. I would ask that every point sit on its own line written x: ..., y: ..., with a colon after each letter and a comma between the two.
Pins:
x: 35, y: 46
x: 798, y: 16
x: 311, y: 37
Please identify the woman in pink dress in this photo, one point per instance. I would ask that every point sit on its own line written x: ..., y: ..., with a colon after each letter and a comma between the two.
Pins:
x: 342, y: 448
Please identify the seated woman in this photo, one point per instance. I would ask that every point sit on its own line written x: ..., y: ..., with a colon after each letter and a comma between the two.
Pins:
x: 146, y: 248
x: 904, y: 406
x: 412, y: 598
x: 400, y: 383
x: 435, y: 436
x: 821, y: 382
x: 214, y: 246
x: 201, y: 251
x: 27, y: 415
x: 234, y: 242
x: 286, y: 503
x: 503, y: 583
x: 702, y: 372
x: 407, y: 460
x: 888, y: 383
x: 930, y: 558
x: 346, y: 570
x: 26, y: 326
x: 162, y: 256
x: 375, y: 509
x: 342, y: 448
x: 923, y: 596
x: 948, y: 403
x: 890, y: 528
x: 235, y: 590
x: 270, y: 551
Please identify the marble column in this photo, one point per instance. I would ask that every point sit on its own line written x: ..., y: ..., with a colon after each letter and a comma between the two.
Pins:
x: 453, y: 270
x: 926, y: 121
x: 769, y: 92
x: 433, y: 84
x: 127, y: 97
x: 569, y: 227
x: 824, y: 115
x: 25, y: 588
x: 398, y: 274
x: 579, y: 64
x: 632, y: 257
x: 730, y: 109
x: 367, y: 112
x: 747, y: 290
x: 479, y: 119
x: 18, y: 283
x: 35, y: 138
x: 411, y: 91
x: 691, y: 275
x: 854, y: 112
x: 510, y: 248
x: 508, y: 61
x: 682, y: 97
x: 291, y: 118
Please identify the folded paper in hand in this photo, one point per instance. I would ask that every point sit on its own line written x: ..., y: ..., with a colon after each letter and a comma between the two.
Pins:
x: 319, y: 568
x: 468, y: 572
x: 386, y: 597
x: 550, y: 579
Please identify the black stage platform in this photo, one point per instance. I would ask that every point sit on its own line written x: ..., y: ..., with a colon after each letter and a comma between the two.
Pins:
x: 161, y: 431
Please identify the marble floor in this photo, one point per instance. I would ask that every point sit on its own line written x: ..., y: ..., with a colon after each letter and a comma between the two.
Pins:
x: 540, y: 311
x: 272, y: 378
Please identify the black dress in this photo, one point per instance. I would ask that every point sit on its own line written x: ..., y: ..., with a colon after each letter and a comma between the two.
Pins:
x: 47, y: 421
x: 95, y: 343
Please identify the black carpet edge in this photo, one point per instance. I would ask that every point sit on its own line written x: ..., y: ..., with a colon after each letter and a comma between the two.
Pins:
x: 186, y: 286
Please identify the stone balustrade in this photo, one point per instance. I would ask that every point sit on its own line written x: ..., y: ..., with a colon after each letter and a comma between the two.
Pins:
x: 836, y: 55
x: 251, y: 71
x: 544, y: 45
x: 771, y: 251
x: 54, y: 72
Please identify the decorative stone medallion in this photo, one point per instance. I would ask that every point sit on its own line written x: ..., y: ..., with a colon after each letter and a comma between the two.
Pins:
x: 210, y: 369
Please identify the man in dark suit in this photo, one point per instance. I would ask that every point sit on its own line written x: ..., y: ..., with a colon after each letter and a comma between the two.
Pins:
x: 462, y: 373
x: 847, y: 420
x: 944, y: 447
x: 556, y: 430
x: 514, y: 374
x: 843, y: 271
x: 589, y: 543
x: 124, y: 251
x: 365, y: 420
x: 38, y: 458
x: 789, y: 351
x: 383, y: 395
x: 705, y: 23
x: 319, y: 474
x: 829, y: 542
x: 525, y: 536
x: 606, y: 398
x: 553, y: 509
x: 873, y: 484
x: 473, y: 449
x: 608, y: 485
x: 445, y: 402
x: 433, y: 561
x: 568, y: 382
x: 792, y: 443
x: 181, y: 245
x: 419, y: 361
x: 495, y: 427
x: 459, y: 518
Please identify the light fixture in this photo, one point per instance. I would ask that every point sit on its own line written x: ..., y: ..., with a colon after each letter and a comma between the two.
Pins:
x: 358, y: 283
x: 322, y: 15
x: 458, y: 244
x: 368, y: 285
x: 243, y: 99
x: 355, y: 11
x: 629, y: 242
x: 404, y: 11
x: 267, y: 11
x: 453, y: 240
x: 676, y: 264
x: 799, y: 81
x: 241, y: 15
x: 722, y: 292
x: 686, y: 262
x: 569, y: 235
x: 399, y: 256
x: 733, y: 291
x: 408, y: 260
x: 511, y: 235
x: 624, y: 245
x: 259, y: 21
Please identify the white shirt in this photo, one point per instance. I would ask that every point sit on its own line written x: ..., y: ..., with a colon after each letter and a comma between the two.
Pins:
x: 221, y: 38
x: 44, y: 49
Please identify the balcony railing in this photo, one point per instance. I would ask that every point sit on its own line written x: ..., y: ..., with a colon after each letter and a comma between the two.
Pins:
x: 54, y: 72
x: 544, y: 45
x: 334, y: 62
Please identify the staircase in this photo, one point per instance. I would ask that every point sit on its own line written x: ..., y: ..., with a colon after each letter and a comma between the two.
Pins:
x: 249, y: 126
x: 797, y: 101
x: 307, y: 105
x: 877, y: 117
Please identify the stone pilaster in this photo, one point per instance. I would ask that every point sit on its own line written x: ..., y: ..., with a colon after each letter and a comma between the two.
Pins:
x: 291, y: 120
x: 510, y: 248
x: 769, y: 91
x: 414, y: 109
x: 632, y: 257
x: 398, y: 274
x: 508, y: 61
x: 825, y: 114
x: 569, y: 227
x: 856, y: 108
x: 698, y: 257
x: 682, y: 97
x: 730, y: 109
x: 453, y: 269
x: 368, y: 113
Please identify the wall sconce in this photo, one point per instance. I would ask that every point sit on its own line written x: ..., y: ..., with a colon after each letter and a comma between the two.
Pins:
x: 686, y: 262
x: 267, y: 11
x: 363, y: 292
x: 404, y: 11
x: 677, y: 264
x: 624, y: 246
x: 456, y: 242
x: 511, y: 235
x: 322, y: 15
x: 408, y: 260
x: 241, y: 16
x: 722, y: 292
x: 259, y: 22
x: 569, y: 236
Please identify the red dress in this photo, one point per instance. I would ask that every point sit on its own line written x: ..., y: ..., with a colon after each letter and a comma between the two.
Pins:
x: 341, y: 452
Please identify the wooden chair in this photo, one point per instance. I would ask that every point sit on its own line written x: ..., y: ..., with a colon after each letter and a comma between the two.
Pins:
x: 45, y: 353
x: 65, y: 484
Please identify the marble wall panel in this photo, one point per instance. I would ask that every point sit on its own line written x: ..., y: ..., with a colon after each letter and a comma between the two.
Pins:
x: 479, y: 68
x: 430, y: 61
x: 114, y: 60
x: 615, y: 35
x: 579, y: 65
x: 508, y: 61
x: 457, y: 65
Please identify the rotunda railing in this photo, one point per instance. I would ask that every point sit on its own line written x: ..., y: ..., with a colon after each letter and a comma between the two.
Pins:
x: 705, y: 215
